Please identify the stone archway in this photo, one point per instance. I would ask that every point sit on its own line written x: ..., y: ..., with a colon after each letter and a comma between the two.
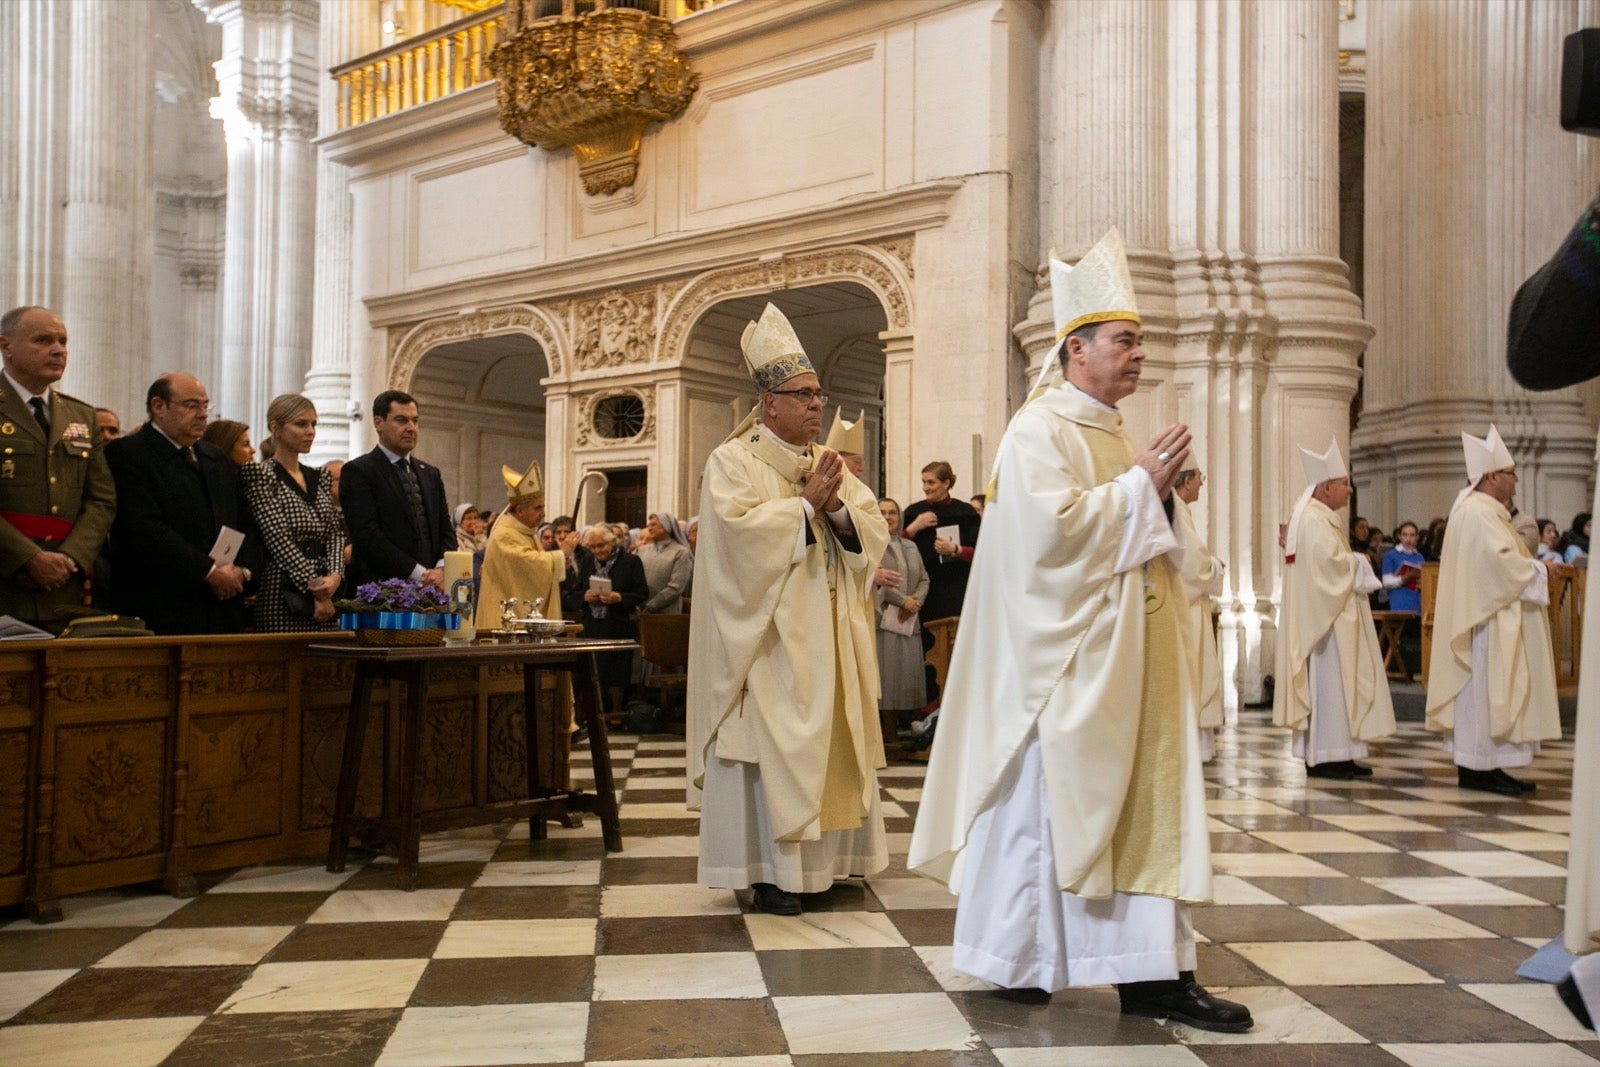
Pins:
x: 844, y: 302
x: 478, y: 380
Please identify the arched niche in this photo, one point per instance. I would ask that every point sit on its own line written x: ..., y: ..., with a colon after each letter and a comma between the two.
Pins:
x: 838, y: 324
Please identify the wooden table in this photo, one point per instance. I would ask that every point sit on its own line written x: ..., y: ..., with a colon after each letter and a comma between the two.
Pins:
x: 400, y: 822
x: 1391, y: 626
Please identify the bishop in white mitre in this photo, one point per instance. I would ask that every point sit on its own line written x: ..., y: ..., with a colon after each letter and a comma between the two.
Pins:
x: 1332, y: 689
x: 1491, y: 675
x: 1064, y: 801
x: 784, y: 743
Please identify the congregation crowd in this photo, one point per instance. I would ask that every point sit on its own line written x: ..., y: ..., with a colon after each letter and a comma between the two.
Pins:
x: 1064, y: 801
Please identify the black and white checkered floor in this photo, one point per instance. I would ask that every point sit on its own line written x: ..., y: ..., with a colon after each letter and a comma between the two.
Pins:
x: 1370, y: 922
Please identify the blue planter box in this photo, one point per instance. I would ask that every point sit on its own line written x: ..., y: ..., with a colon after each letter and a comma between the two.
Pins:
x: 398, y: 620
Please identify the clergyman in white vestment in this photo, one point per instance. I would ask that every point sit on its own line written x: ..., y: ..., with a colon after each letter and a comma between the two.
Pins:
x: 1064, y: 801
x: 1333, y: 690
x: 784, y: 742
x: 1491, y: 675
x: 1202, y: 574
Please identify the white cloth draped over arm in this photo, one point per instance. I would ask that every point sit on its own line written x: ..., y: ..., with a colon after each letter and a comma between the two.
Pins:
x: 1538, y: 590
x: 1365, y: 580
x: 1147, y: 533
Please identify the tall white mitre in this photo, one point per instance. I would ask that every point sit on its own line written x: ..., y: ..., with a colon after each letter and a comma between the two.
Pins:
x: 1324, y: 466
x: 1485, y: 455
x: 847, y: 438
x: 1319, y: 467
x: 772, y: 350
x: 1099, y: 288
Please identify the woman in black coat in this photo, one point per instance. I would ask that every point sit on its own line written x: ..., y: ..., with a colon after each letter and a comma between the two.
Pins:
x: 611, y: 613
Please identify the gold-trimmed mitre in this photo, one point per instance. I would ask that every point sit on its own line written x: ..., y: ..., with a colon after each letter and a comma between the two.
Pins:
x: 772, y: 352
x: 1098, y: 289
x: 849, y: 438
x: 524, y: 488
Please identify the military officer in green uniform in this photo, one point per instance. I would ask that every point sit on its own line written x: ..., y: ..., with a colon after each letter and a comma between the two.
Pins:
x: 57, y: 499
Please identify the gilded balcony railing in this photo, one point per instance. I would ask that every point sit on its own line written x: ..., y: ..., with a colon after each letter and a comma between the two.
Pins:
x: 445, y: 61
x: 417, y: 70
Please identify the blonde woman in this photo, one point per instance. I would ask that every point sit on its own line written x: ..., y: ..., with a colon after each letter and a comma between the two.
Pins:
x: 293, y: 506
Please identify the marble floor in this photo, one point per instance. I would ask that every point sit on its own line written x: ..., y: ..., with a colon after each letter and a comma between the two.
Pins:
x: 1375, y: 922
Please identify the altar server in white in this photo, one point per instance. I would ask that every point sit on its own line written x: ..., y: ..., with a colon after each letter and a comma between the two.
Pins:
x: 1491, y: 678
x: 1332, y: 690
x: 1064, y: 800
x: 784, y: 742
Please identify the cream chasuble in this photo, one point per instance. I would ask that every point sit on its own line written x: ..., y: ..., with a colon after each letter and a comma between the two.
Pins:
x: 1489, y: 593
x: 783, y: 669
x: 1201, y: 573
x: 515, y: 566
x: 1322, y: 598
x: 1063, y: 640
x: 1583, y: 851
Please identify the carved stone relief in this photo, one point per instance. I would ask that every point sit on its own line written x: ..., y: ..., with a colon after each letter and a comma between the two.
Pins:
x: 409, y: 343
x: 883, y: 266
x: 109, y: 798
x: 615, y: 329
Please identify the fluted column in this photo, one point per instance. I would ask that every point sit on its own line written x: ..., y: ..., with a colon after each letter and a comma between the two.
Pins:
x: 33, y: 174
x: 108, y: 212
x: 348, y: 28
x: 1471, y: 186
x: 1313, y: 332
x: 1102, y: 157
x: 268, y: 102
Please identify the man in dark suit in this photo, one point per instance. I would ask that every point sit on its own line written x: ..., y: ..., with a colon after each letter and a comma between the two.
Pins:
x: 175, y: 493
x: 394, y: 504
x: 56, y: 495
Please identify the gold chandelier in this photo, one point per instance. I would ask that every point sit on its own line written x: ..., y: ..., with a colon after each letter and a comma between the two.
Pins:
x: 592, y: 82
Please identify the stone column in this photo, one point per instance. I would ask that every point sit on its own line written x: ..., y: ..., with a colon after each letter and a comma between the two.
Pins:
x: 349, y: 28
x: 1313, y: 331
x: 1472, y: 184
x: 898, y: 418
x: 1103, y: 154
x: 33, y: 122
x: 109, y: 208
x: 268, y: 102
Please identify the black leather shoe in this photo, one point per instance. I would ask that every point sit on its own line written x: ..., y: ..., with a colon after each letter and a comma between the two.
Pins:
x: 1486, y: 782
x: 774, y: 901
x: 1361, y: 769
x: 1522, y: 787
x: 1185, y: 1002
x: 1342, y: 770
x: 1567, y: 989
x: 1028, y: 995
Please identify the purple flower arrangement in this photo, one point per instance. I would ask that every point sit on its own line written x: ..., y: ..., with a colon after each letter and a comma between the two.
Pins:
x: 396, y: 604
x: 397, y: 594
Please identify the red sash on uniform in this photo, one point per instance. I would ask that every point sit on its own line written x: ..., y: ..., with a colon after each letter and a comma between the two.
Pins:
x: 38, y: 527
